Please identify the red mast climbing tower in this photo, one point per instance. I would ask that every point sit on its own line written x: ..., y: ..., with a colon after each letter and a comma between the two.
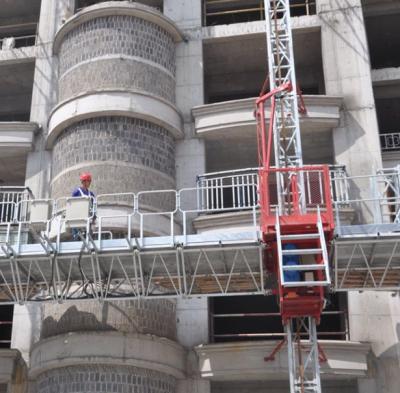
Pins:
x: 296, y: 208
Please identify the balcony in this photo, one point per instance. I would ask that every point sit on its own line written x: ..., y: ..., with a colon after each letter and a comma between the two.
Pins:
x: 13, y: 371
x: 390, y: 144
x: 229, y: 199
x: 18, y: 30
x: 231, y: 124
x: 236, y: 118
x: 244, y: 361
x: 390, y: 141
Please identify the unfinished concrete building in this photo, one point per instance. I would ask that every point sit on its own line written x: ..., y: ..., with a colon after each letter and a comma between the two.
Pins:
x: 159, y: 95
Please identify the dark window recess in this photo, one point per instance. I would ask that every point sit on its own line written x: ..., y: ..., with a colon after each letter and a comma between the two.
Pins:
x: 86, y: 3
x: 383, y: 33
x: 15, y: 117
x: 216, y: 12
x: 388, y: 112
x: 232, y: 96
x: 244, y: 318
x: 6, y: 316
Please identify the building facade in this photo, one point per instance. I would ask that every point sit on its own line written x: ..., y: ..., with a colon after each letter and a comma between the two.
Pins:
x: 152, y: 95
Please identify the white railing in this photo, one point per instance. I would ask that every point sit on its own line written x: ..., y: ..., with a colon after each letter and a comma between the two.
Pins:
x: 339, y: 184
x: 375, y: 199
x: 390, y: 142
x: 17, y: 42
x: 238, y: 189
x: 11, y: 208
x: 228, y: 190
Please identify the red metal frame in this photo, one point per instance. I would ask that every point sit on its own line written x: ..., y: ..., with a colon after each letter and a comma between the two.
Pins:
x: 302, y: 301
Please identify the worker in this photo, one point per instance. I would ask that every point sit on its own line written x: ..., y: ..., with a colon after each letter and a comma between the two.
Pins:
x: 83, y: 191
x: 291, y: 260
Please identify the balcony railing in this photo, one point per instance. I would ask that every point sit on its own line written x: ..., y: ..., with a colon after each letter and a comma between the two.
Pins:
x: 11, y: 208
x: 22, y: 41
x: 217, y: 12
x: 390, y: 142
x: 238, y: 189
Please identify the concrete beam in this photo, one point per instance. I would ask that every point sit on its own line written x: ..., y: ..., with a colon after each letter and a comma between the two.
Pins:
x: 17, y: 55
x: 114, y: 348
x: 17, y: 135
x: 241, y: 361
x: 243, y: 221
x: 114, y: 103
x: 300, y: 24
x: 386, y: 76
x: 236, y: 118
x: 13, y: 370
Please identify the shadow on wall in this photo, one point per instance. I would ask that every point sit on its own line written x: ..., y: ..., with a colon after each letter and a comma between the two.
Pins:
x: 347, y: 139
x: 74, y: 320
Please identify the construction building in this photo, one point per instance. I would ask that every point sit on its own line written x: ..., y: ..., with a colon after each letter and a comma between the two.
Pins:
x: 160, y: 95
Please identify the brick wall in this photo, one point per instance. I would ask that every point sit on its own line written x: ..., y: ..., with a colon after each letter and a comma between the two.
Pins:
x: 115, y: 139
x: 118, y: 34
x: 104, y: 378
x: 145, y: 316
x: 117, y: 73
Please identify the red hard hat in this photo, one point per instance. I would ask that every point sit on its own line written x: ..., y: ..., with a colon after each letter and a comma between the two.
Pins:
x: 85, y: 176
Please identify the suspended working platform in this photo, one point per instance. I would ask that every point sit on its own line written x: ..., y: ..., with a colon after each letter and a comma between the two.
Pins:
x: 367, y: 258
x: 179, y: 264
x: 194, y: 265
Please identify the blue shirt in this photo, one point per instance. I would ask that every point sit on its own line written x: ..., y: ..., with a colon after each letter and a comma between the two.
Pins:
x: 78, y: 192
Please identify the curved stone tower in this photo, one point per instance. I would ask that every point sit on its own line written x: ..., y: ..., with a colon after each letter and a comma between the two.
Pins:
x: 116, y: 114
x: 115, y: 118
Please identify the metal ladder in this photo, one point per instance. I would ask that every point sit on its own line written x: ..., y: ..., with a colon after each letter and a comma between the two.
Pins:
x: 320, y: 254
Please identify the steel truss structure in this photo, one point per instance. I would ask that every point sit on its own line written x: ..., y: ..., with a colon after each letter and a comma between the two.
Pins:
x: 197, y: 265
x: 287, y: 140
x: 303, y: 356
x: 367, y: 263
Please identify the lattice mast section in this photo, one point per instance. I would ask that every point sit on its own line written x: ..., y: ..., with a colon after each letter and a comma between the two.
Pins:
x: 286, y: 127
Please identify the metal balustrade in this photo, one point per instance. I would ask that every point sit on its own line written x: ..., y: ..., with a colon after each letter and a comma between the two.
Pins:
x: 11, y: 208
x: 390, y: 141
x: 12, y: 42
x: 237, y: 189
x: 375, y: 199
x: 216, y: 192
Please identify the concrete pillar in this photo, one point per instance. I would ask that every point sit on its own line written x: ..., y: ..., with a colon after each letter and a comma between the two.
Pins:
x: 44, y: 96
x: 347, y: 73
x: 375, y: 317
x: 190, y: 152
x: 192, y: 314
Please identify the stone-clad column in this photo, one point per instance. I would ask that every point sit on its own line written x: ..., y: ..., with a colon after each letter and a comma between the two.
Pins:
x: 123, y: 55
x: 116, y: 118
